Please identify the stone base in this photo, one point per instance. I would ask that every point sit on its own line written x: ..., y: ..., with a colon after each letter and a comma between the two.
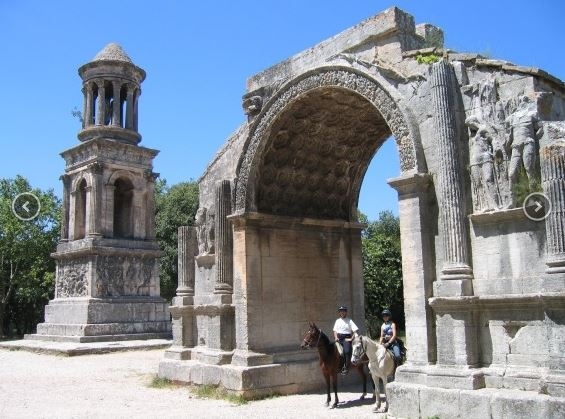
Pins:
x: 74, y: 348
x: 299, y: 373
x: 483, y: 403
x: 452, y: 392
x: 111, y: 319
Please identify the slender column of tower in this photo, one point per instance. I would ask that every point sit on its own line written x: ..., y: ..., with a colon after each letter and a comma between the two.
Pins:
x: 116, y: 108
x: 95, y: 210
x: 552, y: 162
x: 66, y: 179
x: 224, y: 242
x: 101, y: 111
x: 456, y: 259
x: 129, y: 107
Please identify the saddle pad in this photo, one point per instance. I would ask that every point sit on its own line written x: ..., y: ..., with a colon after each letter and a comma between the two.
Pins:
x: 339, y: 348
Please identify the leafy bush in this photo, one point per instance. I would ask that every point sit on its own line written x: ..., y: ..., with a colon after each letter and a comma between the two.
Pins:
x: 382, y: 271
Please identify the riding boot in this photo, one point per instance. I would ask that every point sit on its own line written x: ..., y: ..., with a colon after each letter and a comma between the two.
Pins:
x: 344, y: 370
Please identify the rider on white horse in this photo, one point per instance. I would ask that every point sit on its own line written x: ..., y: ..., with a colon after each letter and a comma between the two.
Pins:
x: 345, y: 330
x: 389, y: 337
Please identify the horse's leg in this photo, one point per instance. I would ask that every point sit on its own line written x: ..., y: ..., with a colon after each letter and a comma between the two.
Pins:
x: 334, y: 377
x: 377, y: 391
x: 328, y: 399
x: 385, y: 408
x: 361, y: 370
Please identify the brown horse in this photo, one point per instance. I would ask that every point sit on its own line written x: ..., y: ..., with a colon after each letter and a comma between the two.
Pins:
x: 330, y: 360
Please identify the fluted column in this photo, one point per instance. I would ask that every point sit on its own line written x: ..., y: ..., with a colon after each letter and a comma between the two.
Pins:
x: 224, y: 241
x: 150, y: 205
x: 552, y: 162
x: 89, y: 112
x: 136, y: 109
x: 116, y: 108
x: 129, y: 107
x: 94, y: 209
x: 187, y: 250
x: 451, y: 204
x: 66, y: 179
x: 101, y: 111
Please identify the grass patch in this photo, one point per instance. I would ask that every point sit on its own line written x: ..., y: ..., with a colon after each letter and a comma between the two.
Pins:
x: 207, y: 391
x: 158, y: 382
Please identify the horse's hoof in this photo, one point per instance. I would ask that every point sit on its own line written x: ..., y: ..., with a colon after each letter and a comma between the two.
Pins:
x: 334, y: 405
x: 362, y: 397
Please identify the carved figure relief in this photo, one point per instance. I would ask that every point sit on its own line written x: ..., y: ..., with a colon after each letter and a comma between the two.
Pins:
x: 124, y: 275
x: 524, y: 130
x: 204, y: 221
x: 71, y: 278
x: 503, y: 139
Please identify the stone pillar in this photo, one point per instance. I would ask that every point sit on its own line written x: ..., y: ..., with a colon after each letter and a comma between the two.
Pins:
x: 94, y: 209
x: 150, y: 205
x: 418, y: 269
x: 552, y: 162
x: 451, y: 204
x: 224, y: 240
x: 187, y: 250
x: 101, y: 111
x: 136, y: 109
x: 129, y: 107
x: 88, y: 117
x: 116, y: 108
x: 66, y: 179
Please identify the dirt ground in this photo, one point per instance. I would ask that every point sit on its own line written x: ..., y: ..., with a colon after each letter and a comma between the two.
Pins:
x: 116, y: 385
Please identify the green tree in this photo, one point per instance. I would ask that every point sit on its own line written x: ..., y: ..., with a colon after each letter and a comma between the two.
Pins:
x: 382, y: 271
x: 175, y: 206
x: 27, y: 272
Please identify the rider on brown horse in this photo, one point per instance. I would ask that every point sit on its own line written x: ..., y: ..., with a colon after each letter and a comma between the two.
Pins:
x: 344, y: 332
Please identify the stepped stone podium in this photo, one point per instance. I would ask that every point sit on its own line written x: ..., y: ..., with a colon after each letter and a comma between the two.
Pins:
x: 277, y: 241
x: 107, y: 280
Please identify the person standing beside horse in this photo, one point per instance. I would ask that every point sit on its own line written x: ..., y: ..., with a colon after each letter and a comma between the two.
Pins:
x: 389, y: 338
x: 345, y: 330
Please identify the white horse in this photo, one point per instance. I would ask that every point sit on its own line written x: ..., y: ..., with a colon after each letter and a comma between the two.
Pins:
x: 381, y: 364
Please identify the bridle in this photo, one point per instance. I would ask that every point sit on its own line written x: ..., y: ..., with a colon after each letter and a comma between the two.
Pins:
x: 363, y: 352
x: 308, y: 342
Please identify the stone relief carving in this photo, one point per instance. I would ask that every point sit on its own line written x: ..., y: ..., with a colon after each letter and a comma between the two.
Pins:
x: 124, y: 275
x: 503, y: 138
x: 204, y: 222
x: 333, y: 77
x: 311, y: 166
x: 252, y: 105
x: 72, y: 278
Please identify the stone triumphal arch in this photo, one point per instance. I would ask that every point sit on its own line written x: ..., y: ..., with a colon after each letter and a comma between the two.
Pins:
x: 277, y: 242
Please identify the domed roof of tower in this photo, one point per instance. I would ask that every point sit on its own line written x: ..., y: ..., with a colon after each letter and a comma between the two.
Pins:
x: 112, y: 52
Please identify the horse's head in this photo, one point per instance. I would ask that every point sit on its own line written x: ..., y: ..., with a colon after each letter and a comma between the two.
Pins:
x: 357, y: 350
x: 312, y: 337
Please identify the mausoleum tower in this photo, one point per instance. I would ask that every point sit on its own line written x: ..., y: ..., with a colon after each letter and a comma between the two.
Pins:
x: 107, y: 281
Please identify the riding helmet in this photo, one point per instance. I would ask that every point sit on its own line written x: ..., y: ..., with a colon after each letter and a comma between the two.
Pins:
x: 386, y: 312
x: 342, y: 308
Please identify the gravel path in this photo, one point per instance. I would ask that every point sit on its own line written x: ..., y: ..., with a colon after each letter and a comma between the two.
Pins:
x: 116, y: 386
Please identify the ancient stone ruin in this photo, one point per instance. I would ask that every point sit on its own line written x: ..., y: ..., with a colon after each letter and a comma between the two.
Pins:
x: 277, y: 239
x: 107, y: 281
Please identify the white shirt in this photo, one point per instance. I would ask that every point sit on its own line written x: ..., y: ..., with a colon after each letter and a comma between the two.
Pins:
x: 345, y: 326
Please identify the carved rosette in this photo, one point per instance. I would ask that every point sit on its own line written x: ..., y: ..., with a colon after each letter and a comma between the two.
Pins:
x: 328, y: 77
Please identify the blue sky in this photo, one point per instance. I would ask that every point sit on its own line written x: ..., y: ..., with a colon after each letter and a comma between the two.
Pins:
x: 198, y: 56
